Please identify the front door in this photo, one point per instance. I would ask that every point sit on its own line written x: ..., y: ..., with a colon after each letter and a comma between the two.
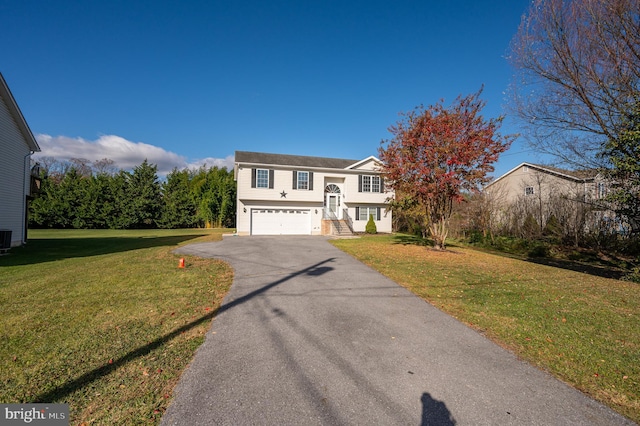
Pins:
x: 333, y: 205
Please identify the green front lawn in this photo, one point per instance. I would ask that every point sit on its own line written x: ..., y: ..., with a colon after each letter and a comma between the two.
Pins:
x: 582, y: 328
x: 104, y: 320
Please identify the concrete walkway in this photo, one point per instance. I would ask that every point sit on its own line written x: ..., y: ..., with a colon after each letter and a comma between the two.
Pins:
x: 308, y: 335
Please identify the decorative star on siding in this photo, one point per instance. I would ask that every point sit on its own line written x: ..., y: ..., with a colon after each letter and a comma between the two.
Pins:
x: 283, y: 194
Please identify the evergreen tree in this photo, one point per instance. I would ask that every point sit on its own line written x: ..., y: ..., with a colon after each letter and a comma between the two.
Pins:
x: 126, y: 200
x: 179, y: 209
x: 142, y: 202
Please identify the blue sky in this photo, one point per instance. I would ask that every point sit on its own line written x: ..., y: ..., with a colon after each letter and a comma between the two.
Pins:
x: 187, y: 82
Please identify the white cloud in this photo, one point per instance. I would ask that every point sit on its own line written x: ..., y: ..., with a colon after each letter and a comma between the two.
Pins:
x: 210, y: 162
x: 124, y: 153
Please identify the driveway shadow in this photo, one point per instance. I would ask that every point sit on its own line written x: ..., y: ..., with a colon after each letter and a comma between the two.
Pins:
x: 585, y: 268
x: 49, y: 250
x: 60, y: 392
x: 598, y: 271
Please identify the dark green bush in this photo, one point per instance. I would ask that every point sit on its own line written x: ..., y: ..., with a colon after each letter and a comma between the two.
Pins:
x: 633, y: 276
x: 371, y: 226
x: 538, y: 250
x: 476, y: 237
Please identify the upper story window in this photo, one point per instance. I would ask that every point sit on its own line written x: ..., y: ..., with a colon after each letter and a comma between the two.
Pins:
x: 366, y: 183
x: 528, y: 190
x: 261, y: 178
x: 375, y: 184
x: 369, y: 183
x: 303, y: 180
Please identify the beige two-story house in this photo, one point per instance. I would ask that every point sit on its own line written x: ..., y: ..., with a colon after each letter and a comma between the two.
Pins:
x: 300, y: 195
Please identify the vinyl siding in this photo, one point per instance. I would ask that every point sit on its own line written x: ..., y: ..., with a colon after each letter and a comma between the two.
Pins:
x: 347, y: 179
x: 14, y: 175
x: 351, y: 188
x: 511, y: 187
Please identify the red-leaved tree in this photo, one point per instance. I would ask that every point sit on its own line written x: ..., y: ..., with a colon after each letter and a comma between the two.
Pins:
x: 438, y: 153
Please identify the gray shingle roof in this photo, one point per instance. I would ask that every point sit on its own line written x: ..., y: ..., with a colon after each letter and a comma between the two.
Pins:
x: 577, y: 174
x: 292, y: 160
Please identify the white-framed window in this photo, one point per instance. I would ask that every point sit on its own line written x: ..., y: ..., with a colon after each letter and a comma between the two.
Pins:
x: 262, y: 178
x: 364, y: 212
x: 375, y: 184
x: 367, y: 183
x: 303, y: 180
x: 601, y: 190
x: 528, y: 190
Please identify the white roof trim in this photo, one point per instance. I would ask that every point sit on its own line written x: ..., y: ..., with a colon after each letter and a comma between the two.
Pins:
x: 369, y: 158
x: 5, y: 93
x: 535, y: 166
x: 301, y: 168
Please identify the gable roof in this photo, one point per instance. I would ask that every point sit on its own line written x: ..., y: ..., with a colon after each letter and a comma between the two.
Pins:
x: 574, y: 175
x: 366, y: 160
x: 15, y: 112
x: 292, y: 160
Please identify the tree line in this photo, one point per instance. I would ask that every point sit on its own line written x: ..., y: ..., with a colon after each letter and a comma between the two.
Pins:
x: 97, y: 195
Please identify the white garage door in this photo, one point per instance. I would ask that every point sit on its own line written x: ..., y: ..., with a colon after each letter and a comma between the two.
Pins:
x: 280, y: 222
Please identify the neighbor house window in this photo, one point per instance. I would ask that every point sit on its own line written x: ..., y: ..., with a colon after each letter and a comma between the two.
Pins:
x: 303, y: 180
x: 369, y: 183
x: 528, y: 190
x: 261, y: 178
x: 362, y: 213
x: 601, y: 190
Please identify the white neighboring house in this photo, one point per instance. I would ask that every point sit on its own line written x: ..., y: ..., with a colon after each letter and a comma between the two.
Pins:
x: 298, y: 195
x: 16, y: 146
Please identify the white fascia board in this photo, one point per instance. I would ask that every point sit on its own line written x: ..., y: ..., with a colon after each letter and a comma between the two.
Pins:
x: 289, y: 167
x: 370, y: 158
x: 5, y: 92
x: 537, y: 167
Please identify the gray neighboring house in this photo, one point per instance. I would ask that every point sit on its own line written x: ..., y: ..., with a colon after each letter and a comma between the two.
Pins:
x: 17, y: 144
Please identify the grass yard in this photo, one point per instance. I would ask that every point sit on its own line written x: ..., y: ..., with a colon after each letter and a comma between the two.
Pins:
x: 104, y: 320
x: 582, y: 328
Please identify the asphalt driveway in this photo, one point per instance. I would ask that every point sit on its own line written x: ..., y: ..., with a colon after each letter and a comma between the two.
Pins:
x: 308, y: 335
